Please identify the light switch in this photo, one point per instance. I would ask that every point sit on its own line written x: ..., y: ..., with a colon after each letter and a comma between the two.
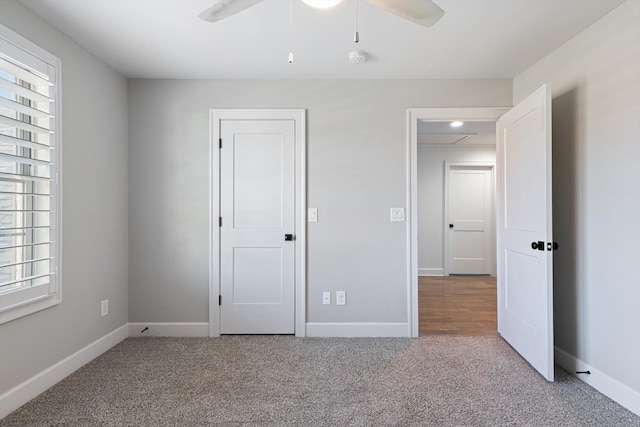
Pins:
x: 326, y: 298
x: 313, y: 215
x: 397, y: 214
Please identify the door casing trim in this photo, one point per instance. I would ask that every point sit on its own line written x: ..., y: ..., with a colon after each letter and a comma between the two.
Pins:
x: 413, y: 115
x: 216, y: 116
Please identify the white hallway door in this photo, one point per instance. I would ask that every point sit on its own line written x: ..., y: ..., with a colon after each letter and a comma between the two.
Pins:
x: 524, y: 220
x: 469, y: 201
x: 257, y: 244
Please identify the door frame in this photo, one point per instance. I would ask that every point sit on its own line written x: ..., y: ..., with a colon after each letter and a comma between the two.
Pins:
x: 300, y: 259
x: 491, y: 167
x: 413, y: 115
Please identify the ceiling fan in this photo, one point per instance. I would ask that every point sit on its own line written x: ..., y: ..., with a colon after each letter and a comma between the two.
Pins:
x: 422, y: 12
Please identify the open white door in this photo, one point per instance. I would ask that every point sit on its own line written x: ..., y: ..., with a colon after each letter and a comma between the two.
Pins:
x: 524, y: 232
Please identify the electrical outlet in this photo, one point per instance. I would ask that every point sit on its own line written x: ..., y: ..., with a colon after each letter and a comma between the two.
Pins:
x: 326, y: 298
x: 341, y: 298
x: 104, y: 307
x: 397, y: 214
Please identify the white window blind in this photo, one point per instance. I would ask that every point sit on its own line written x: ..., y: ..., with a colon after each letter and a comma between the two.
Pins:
x: 29, y: 177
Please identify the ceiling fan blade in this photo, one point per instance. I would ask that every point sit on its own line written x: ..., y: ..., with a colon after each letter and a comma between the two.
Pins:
x: 422, y: 12
x: 225, y: 8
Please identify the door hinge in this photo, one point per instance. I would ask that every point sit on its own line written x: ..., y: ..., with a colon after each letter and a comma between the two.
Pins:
x: 220, y: 141
x: 220, y: 222
x: 219, y: 299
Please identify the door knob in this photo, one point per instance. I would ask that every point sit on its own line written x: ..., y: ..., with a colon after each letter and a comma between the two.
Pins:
x: 450, y: 225
x: 537, y: 245
x: 289, y: 237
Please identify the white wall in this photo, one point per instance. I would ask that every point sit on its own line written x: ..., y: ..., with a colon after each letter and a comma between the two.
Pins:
x: 431, y: 172
x: 356, y: 138
x: 94, y: 138
x: 595, y: 81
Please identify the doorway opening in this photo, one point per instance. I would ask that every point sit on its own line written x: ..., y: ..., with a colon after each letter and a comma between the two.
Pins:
x: 441, y: 301
x: 457, y: 292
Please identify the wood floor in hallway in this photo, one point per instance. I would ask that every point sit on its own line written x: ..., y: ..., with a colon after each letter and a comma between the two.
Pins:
x: 457, y: 305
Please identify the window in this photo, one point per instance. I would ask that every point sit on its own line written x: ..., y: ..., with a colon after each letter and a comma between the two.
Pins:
x: 29, y: 177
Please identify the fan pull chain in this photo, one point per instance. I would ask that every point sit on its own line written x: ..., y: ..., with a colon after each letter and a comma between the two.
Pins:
x: 290, y: 31
x: 356, y: 36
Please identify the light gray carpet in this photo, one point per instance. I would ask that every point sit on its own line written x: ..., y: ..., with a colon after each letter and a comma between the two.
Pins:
x: 279, y: 380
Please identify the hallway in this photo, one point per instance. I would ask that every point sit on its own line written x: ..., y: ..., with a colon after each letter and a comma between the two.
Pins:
x: 457, y: 305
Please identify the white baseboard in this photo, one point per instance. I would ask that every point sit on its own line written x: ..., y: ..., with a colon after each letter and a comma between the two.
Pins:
x: 610, y: 387
x: 164, y: 329
x: 22, y: 393
x: 430, y: 271
x: 363, y: 329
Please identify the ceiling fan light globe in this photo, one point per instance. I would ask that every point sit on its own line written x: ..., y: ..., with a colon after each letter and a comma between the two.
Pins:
x: 321, y: 4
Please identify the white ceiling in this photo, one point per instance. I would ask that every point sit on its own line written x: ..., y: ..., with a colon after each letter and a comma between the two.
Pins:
x: 440, y: 133
x: 166, y: 39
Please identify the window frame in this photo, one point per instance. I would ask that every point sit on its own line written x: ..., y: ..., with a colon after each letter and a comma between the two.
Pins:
x: 25, y: 301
